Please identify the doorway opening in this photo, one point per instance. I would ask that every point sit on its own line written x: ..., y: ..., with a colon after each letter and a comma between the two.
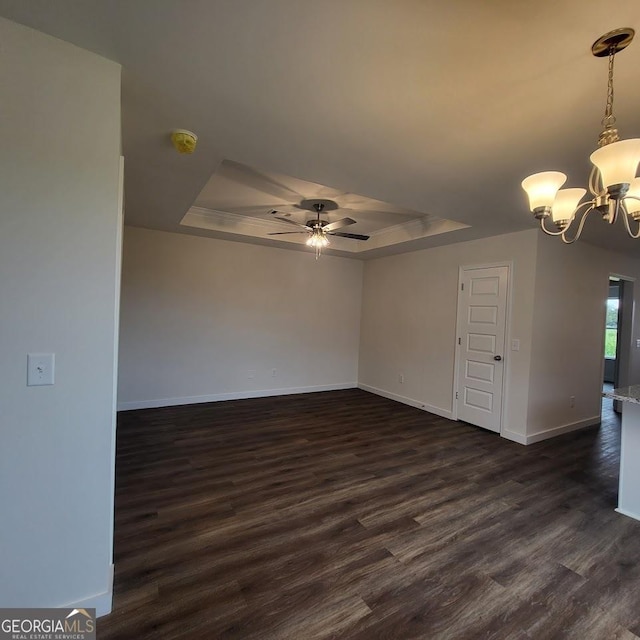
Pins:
x: 611, y: 342
x: 618, y: 335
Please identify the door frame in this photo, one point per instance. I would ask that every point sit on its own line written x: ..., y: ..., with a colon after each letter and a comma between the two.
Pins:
x: 629, y: 296
x: 507, y: 336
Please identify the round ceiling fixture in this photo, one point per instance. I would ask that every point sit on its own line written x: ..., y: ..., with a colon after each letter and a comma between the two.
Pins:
x: 312, y: 204
x: 184, y: 141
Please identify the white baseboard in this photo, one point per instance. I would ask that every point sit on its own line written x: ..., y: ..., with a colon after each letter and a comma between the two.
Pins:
x: 565, y: 428
x: 629, y: 514
x: 101, y: 602
x: 418, y: 404
x: 233, y: 395
x: 515, y: 437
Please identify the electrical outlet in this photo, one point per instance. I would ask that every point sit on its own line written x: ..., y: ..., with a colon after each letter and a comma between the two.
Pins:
x: 274, y: 373
x: 251, y: 374
x: 401, y: 378
x: 572, y: 401
x: 637, y: 344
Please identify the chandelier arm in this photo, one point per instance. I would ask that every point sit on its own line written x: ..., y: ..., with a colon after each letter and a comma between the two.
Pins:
x: 589, y: 203
x: 625, y: 217
x: 585, y: 215
x: 547, y: 231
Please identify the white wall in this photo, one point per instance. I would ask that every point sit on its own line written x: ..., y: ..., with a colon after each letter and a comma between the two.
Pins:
x: 409, y: 319
x: 59, y: 167
x: 199, y: 314
x: 557, y: 313
x: 572, y: 284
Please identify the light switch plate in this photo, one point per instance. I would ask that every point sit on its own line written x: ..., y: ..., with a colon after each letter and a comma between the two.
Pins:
x: 515, y: 345
x: 40, y: 369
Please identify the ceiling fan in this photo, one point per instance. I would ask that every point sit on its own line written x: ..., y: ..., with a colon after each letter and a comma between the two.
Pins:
x: 318, y: 229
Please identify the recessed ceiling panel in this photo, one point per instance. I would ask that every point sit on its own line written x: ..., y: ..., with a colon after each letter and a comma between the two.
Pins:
x: 245, y: 201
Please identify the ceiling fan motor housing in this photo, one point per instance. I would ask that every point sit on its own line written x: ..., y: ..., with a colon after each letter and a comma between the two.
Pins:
x: 315, y: 223
x: 318, y: 204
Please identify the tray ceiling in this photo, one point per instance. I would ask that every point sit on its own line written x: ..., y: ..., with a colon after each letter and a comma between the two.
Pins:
x: 239, y: 200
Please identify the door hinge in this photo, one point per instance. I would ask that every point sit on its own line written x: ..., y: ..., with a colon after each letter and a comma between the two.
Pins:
x: 459, y: 340
x: 456, y: 395
x: 462, y: 286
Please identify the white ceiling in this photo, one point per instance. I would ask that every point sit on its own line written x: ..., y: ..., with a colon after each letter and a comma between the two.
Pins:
x: 437, y: 107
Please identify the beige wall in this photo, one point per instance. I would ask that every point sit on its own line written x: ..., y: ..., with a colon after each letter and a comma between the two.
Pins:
x: 409, y: 322
x: 200, y: 314
x: 59, y: 257
x: 568, y: 335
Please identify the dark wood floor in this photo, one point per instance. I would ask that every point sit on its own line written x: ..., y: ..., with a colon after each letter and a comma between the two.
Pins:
x: 346, y: 516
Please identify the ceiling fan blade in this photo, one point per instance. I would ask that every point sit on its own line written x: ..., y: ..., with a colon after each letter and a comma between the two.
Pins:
x: 354, y: 236
x: 338, y: 224
x: 254, y: 210
x: 252, y: 178
x: 367, y: 210
x: 402, y: 213
x: 361, y: 204
x: 284, y: 233
x: 297, y: 224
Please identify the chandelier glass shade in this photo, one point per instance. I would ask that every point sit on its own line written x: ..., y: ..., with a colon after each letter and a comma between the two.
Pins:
x: 613, y: 185
x: 632, y: 202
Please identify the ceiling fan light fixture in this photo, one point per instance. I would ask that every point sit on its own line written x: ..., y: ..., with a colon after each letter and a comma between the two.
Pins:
x: 318, y: 240
x: 317, y: 230
x: 614, y: 188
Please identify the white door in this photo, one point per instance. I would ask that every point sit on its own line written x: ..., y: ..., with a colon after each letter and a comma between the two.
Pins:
x: 482, y: 305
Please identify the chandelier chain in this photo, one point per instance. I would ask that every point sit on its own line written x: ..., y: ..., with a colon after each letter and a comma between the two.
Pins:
x: 609, y: 119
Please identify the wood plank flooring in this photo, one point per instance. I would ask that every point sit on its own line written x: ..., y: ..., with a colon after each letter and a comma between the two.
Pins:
x: 346, y: 516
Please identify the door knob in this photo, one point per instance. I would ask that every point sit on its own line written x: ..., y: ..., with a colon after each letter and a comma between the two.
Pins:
x: 498, y: 358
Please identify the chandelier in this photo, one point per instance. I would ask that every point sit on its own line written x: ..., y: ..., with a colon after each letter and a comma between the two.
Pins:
x: 613, y: 185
